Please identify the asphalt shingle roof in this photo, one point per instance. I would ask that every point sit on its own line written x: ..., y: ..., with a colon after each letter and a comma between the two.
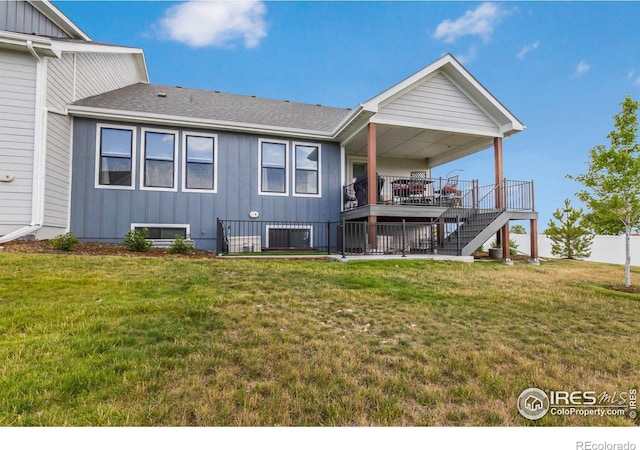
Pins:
x: 218, y: 106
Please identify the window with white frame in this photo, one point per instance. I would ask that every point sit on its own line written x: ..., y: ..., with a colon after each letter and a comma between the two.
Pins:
x: 163, y: 231
x: 115, y: 156
x: 199, y: 164
x: 159, y: 160
x: 307, y: 170
x: 273, y: 175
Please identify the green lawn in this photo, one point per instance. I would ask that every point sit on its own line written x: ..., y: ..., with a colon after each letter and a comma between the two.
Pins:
x: 171, y: 341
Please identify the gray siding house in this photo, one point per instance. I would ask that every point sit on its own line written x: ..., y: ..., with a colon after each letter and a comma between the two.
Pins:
x: 239, y: 173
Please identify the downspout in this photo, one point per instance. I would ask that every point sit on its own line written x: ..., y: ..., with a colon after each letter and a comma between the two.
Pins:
x: 39, y: 156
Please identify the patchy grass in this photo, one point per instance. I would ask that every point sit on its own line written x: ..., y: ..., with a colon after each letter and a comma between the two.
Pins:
x: 144, y: 341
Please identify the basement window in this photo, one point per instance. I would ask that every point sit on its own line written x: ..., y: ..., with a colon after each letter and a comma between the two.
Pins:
x: 163, y: 231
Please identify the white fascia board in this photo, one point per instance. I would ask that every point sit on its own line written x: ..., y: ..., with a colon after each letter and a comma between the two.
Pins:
x: 450, y: 66
x: 472, y: 132
x: 462, y: 75
x: 92, y: 47
x: 407, y: 83
x: 18, y: 41
x: 56, y: 16
x: 179, y: 121
x: 348, y: 120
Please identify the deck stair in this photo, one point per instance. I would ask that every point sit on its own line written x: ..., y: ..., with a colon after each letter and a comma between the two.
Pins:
x: 475, y: 227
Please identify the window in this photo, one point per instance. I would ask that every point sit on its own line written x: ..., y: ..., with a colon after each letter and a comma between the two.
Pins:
x: 273, y: 176
x: 307, y: 170
x: 158, y: 160
x: 289, y: 236
x: 115, y: 157
x: 163, y: 231
x: 199, y: 162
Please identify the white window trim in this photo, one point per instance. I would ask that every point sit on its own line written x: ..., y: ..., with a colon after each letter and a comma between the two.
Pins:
x: 184, y: 162
x: 286, y: 168
x: 290, y: 227
x: 293, y: 169
x: 350, y: 161
x: 143, y: 132
x: 162, y: 225
x: 99, y: 127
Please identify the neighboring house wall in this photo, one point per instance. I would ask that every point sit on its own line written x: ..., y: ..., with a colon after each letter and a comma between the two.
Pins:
x: 21, y: 17
x: 106, y: 214
x: 74, y: 76
x: 439, y: 103
x: 17, y: 125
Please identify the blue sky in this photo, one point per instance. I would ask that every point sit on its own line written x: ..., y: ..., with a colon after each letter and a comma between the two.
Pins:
x: 562, y: 68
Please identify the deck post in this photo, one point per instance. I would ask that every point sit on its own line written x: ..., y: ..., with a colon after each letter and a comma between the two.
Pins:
x: 533, y: 229
x: 344, y: 236
x: 404, y: 232
x: 499, y: 200
x: 372, y: 181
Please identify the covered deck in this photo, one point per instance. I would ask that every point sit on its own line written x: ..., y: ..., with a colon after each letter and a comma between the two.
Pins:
x: 438, y: 115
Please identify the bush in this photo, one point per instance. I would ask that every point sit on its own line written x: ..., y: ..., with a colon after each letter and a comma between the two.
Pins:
x: 180, y: 246
x: 64, y: 242
x: 136, y: 240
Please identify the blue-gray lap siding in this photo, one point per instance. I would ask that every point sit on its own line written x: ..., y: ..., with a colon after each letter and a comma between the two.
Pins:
x: 107, y: 214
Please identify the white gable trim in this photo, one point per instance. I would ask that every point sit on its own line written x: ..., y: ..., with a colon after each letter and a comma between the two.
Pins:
x: 455, y: 72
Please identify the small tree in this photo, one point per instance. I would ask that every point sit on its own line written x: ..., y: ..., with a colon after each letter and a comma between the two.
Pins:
x: 518, y: 229
x: 572, y: 238
x: 612, y: 181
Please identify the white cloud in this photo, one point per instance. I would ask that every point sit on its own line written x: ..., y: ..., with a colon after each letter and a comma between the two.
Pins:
x: 636, y: 82
x: 476, y: 22
x: 526, y: 49
x: 213, y: 23
x: 469, y: 56
x: 630, y: 74
x: 582, y: 67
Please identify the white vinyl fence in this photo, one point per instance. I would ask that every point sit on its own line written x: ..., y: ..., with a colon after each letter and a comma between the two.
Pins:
x: 607, y: 249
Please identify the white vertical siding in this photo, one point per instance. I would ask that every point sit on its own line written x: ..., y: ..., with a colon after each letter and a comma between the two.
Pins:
x: 101, y: 72
x: 437, y: 102
x: 21, y: 17
x: 17, y: 124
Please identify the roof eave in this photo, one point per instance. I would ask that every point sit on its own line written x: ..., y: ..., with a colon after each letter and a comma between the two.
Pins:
x: 18, y: 41
x: 164, y: 119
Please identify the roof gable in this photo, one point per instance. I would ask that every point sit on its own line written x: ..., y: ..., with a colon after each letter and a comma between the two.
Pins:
x: 437, y: 103
x: 449, y: 96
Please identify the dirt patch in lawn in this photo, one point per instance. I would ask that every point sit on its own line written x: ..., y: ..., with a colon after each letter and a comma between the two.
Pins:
x: 622, y: 288
x: 95, y: 248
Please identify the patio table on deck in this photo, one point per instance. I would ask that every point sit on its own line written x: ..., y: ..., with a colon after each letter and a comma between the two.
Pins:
x: 411, y: 191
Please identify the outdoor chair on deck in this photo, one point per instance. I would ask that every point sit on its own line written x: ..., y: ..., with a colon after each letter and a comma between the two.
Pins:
x: 449, y: 193
x: 418, y: 188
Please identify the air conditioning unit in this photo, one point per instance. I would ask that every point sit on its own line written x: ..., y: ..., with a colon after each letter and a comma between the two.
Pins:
x: 245, y: 244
